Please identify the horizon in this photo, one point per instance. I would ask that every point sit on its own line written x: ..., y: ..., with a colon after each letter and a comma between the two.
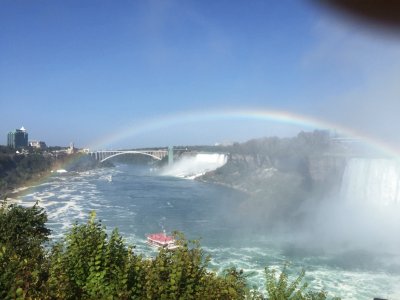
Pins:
x: 83, y: 72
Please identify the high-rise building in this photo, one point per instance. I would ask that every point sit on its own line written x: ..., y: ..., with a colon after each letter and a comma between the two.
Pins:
x: 18, y: 138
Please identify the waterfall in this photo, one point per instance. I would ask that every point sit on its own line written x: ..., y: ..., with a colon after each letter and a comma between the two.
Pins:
x: 371, y: 182
x: 366, y: 212
x: 193, y: 166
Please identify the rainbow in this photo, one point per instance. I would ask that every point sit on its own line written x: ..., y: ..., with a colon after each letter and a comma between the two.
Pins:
x: 283, y: 117
x: 38, y: 180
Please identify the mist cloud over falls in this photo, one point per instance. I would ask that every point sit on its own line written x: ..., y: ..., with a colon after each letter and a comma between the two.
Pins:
x: 366, y: 211
x: 315, y: 195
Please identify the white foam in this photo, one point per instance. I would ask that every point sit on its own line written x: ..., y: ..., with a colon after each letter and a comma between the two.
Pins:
x: 191, y: 167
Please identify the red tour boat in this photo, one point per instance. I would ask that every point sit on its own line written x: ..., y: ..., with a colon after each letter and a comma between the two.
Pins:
x: 161, y: 240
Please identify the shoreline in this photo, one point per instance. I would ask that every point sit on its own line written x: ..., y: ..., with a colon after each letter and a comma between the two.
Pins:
x: 13, y: 196
x: 13, y: 193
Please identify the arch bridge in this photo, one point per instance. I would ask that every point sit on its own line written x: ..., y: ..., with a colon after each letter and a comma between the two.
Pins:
x: 103, y: 155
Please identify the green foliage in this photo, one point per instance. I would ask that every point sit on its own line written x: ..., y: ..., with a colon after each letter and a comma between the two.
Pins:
x: 17, y: 169
x: 23, y: 228
x: 22, y: 256
x: 89, y: 264
x: 183, y: 274
x: 281, y: 288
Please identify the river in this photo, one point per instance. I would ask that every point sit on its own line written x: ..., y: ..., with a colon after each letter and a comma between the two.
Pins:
x: 139, y: 201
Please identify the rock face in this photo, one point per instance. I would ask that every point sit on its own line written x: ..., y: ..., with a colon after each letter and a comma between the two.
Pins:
x: 326, y: 170
x: 280, y: 175
x: 243, y: 172
x: 322, y: 169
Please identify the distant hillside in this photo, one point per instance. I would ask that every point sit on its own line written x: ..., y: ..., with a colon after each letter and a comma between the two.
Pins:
x: 20, y: 169
x: 15, y: 169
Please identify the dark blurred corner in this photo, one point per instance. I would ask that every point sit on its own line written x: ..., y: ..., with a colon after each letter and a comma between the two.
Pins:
x: 376, y: 13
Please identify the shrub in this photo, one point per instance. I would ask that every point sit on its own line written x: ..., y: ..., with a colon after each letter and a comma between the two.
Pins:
x: 23, y: 264
x: 87, y: 264
x: 281, y: 288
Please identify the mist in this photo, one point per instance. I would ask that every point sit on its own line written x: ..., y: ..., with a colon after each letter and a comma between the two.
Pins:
x: 194, y: 165
x: 315, y: 199
x: 365, y: 212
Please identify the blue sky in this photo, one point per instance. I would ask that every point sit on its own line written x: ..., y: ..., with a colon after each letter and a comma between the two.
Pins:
x: 84, y: 71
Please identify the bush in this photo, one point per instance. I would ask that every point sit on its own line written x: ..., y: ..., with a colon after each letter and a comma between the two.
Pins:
x: 23, y: 264
x: 281, y: 288
x: 87, y: 264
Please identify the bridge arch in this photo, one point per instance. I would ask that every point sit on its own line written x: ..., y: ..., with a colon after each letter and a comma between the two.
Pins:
x: 131, y: 152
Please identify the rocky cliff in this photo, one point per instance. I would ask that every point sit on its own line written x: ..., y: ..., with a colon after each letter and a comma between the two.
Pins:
x: 280, y: 175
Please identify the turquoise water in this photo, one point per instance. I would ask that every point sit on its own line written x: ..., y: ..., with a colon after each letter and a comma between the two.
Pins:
x: 139, y: 202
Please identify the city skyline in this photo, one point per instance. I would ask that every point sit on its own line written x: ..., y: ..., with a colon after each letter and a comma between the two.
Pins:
x: 151, y: 73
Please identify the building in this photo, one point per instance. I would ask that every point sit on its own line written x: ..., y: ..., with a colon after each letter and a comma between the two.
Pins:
x: 71, y: 149
x: 18, y: 138
x: 37, y: 144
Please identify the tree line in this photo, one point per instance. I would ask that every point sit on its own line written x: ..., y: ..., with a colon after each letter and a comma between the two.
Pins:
x: 18, y: 169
